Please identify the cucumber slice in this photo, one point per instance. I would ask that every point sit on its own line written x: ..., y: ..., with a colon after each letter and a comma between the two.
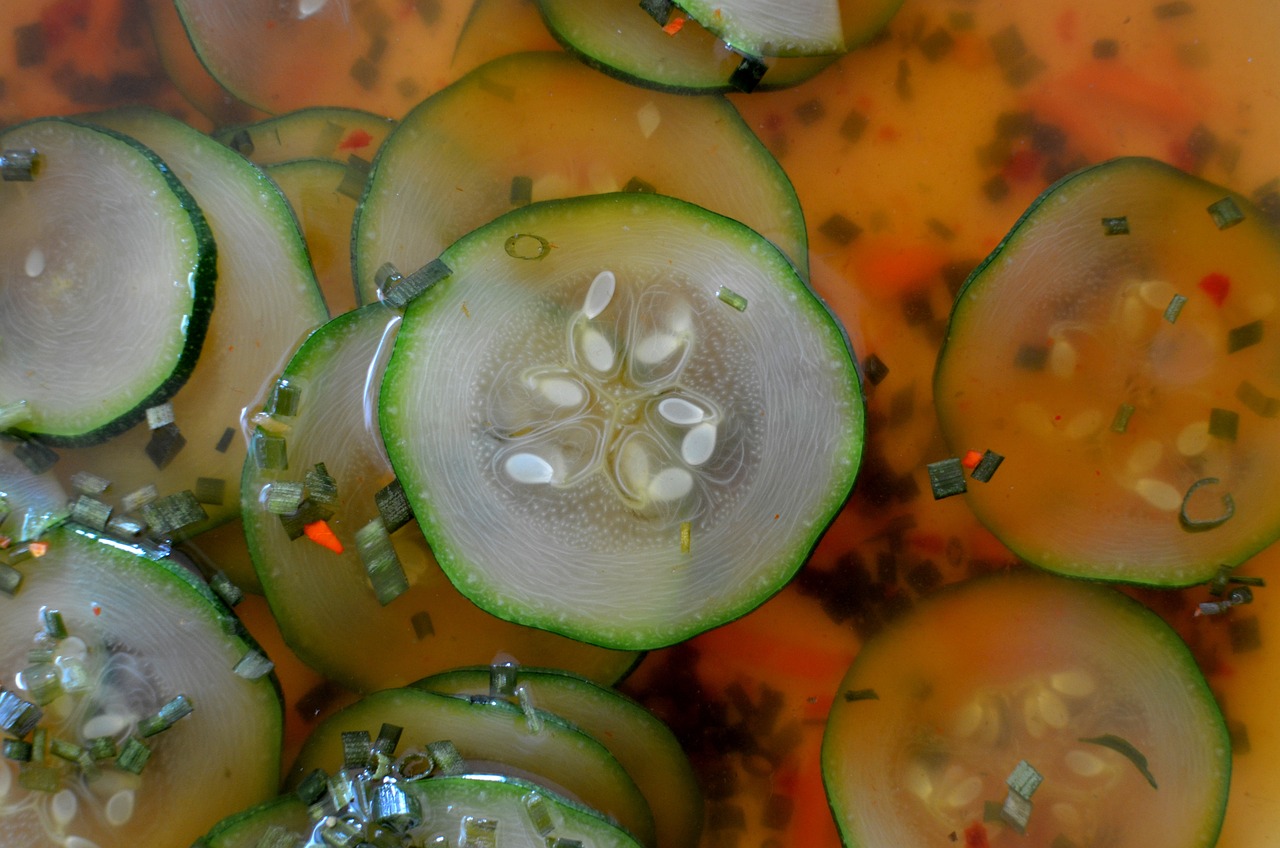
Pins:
x: 456, y: 161
x: 1087, y: 687
x: 107, y: 270
x: 640, y: 742
x: 249, y: 828
x: 1126, y: 378
x: 796, y: 28
x: 267, y: 300
x: 139, y: 632
x: 581, y: 395
x: 317, y: 191
x: 326, y: 609
x: 492, y: 738
x: 319, y: 133
x: 497, y: 28
x: 621, y: 38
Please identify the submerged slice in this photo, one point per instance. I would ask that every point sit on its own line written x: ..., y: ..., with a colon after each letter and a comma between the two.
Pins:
x: 1118, y: 349
x: 98, y: 642
x: 795, y: 28
x: 107, y: 271
x: 1072, y: 716
x: 621, y: 417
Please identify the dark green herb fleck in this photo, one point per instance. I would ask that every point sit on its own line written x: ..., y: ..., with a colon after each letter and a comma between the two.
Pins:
x: 811, y: 111
x: 1246, y: 335
x: 851, y: 695
x: 747, y: 76
x: 1174, y: 9
x: 1224, y: 424
x: 853, y: 126
x: 1174, y: 309
x: 1244, y: 634
x: 874, y: 369
x: 946, y: 478
x: 987, y: 466
x: 1117, y: 226
x: 1126, y: 749
x: 1106, y: 48
x: 1225, y: 213
x: 521, y: 193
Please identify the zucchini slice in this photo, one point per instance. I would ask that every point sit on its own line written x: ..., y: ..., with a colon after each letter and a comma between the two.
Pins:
x: 267, y: 301
x: 99, y: 640
x: 107, y: 270
x: 621, y: 38
x: 639, y: 741
x: 513, y: 131
x: 323, y: 601
x: 795, y: 28
x: 316, y: 133
x: 1072, y: 716
x: 622, y: 417
x: 493, y: 738
x: 1117, y: 348
x: 285, y: 815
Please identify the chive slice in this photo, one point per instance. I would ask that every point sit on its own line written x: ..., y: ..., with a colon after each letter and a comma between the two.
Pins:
x: 535, y: 807
x: 133, y: 756
x: 164, y: 718
x: 1031, y: 357
x: 224, y: 441
x: 1246, y: 335
x: 87, y: 483
x: 407, y: 288
x: 853, y: 126
x: 445, y: 756
x: 477, y: 832
x: 90, y: 512
x: 38, y: 458
x: 39, y: 744
x: 18, y: 717
x: 308, y: 512
x: 564, y: 842
x: 388, y: 739
x: 173, y: 512
x: 253, y: 665
x: 394, y: 808
x: 1115, y: 226
x: 103, y: 748
x: 946, y: 478
x: 1016, y: 811
x: 64, y: 750
x: 54, y: 626
x: 139, y: 498
x: 165, y: 443
x: 339, y: 833
x: 502, y: 679
x: 521, y: 191
x: 747, y: 75
x: 635, y: 185
x: 1224, y: 424
x: 840, y: 229
x: 1126, y: 749
x: 16, y: 750
x: 269, y: 450
x: 1225, y: 213
x: 1196, y: 525
x: 284, y: 400
x: 210, y: 490
x: 659, y: 10
x: 75, y: 675
x: 422, y: 626
x: 986, y: 467
x: 20, y: 165
x: 356, y: 747
x: 526, y: 246
x: 10, y: 579
x: 732, y: 298
x: 43, y: 682
x: 1174, y: 309
x: 1173, y: 9
x: 1024, y: 779
x: 381, y: 562
x: 874, y: 370
x: 276, y: 836
x: 284, y: 497
x: 393, y: 506
x: 321, y: 486
x: 851, y: 695
x: 224, y: 588
x: 1120, y: 422
x: 125, y: 526
x: 354, y: 177
x: 313, y: 787
x: 686, y: 536
x: 1255, y: 401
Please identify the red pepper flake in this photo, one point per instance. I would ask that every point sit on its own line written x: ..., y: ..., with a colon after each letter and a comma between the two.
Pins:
x: 971, y: 459
x: 675, y: 24
x: 1217, y: 286
x: 975, y: 836
x: 356, y: 140
x: 322, y: 534
x: 96, y: 609
x: 39, y: 549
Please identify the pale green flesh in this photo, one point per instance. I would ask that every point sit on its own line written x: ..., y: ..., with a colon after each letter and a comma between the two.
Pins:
x: 316, y: 133
x: 267, y: 300
x: 490, y: 736
x: 245, y: 829
x: 106, y: 277
x: 323, y: 601
x: 493, y: 366
x: 640, y: 742
x: 448, y: 168
x: 150, y: 632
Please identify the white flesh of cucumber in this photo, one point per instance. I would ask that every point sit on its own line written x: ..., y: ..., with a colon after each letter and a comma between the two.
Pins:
x: 595, y: 443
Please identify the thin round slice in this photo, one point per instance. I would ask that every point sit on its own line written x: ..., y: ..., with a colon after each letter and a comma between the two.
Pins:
x: 621, y: 417
x: 107, y: 271
x: 129, y: 694
x: 796, y: 28
x: 316, y: 133
x: 513, y: 131
x: 1118, y: 349
x: 1072, y: 716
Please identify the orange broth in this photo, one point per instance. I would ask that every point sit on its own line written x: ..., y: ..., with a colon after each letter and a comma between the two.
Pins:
x: 911, y: 157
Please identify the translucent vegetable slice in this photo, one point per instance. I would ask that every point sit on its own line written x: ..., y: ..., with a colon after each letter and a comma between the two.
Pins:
x: 1117, y: 350
x: 137, y: 707
x: 107, y: 270
x: 316, y: 133
x: 324, y: 602
x: 513, y: 131
x: 798, y: 28
x: 1071, y: 716
x: 621, y: 417
x: 318, y: 191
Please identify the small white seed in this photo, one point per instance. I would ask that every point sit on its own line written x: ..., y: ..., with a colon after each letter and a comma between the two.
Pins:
x: 1063, y: 358
x: 1074, y: 683
x: 529, y: 468
x: 1193, y: 440
x: 680, y: 412
x: 35, y: 262
x: 561, y: 392
x: 599, y: 294
x: 965, y: 792
x: 917, y: 780
x: 104, y: 724
x: 649, y: 117
x: 1084, y: 424
x: 63, y: 808
x: 1033, y: 418
x: 79, y: 842
x: 967, y: 720
x: 699, y: 443
x: 597, y: 350
x: 1032, y: 718
x: 1068, y: 816
x: 1156, y: 293
x: 120, y: 807
x: 1085, y: 764
x: 1052, y: 709
x: 670, y: 484
x: 655, y: 348
x: 1159, y: 494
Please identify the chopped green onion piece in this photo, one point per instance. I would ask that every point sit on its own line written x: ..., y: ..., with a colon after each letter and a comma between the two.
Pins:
x: 43, y: 682
x: 526, y: 246
x: 987, y: 466
x: 1225, y: 213
x: 285, y: 397
x: 635, y: 185
x: 103, y: 748
x: 1117, y: 226
x: 746, y: 77
x: 90, y: 512
x: 422, y: 626
x: 342, y: 790
x: 20, y: 165
x: 354, y: 177
x: 388, y: 739
x: 840, y: 229
x: 166, y: 442
x: 159, y: 415
x: 139, y: 498
x: 1255, y: 401
x: 39, y: 778
x: 269, y: 450
x: 1016, y: 811
x: 210, y: 490
x: 356, y: 747
x: 1196, y: 525
x: 732, y: 298
x: 133, y: 757
x: 686, y: 536
x: 339, y: 833
x: 381, y: 562
x: 17, y: 716
x: 532, y: 718
x: 44, y: 652
x: 321, y: 486
x: 659, y: 10
x: 284, y: 497
x: 521, y: 191
x: 54, y: 626
x: 10, y: 579
x: 1024, y: 779
x: 173, y: 512
x: 445, y: 756
x: 222, y: 586
x: 394, y: 808
x: 224, y: 441
x: 125, y: 526
x: 16, y: 750
x: 393, y: 506
x: 874, y: 369
x: 1174, y: 309
x: 407, y: 288
x: 39, y: 744
x: 1120, y: 421
x: 308, y: 512
x: 1246, y: 335
x: 502, y: 679
x: 89, y: 484
x: 36, y: 457
x: 386, y: 278
x: 539, y: 814
x: 1249, y: 581
x: 477, y: 832
x: 1224, y: 424
x: 946, y: 478
x: 313, y: 787
x: 64, y: 750
x: 166, y: 716
x: 253, y: 665
x: 1125, y: 748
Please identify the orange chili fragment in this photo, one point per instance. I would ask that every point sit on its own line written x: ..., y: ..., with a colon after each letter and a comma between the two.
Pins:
x: 971, y: 460
x: 674, y: 25
x: 975, y: 836
x: 39, y: 549
x: 356, y: 140
x: 1216, y: 286
x: 322, y: 534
